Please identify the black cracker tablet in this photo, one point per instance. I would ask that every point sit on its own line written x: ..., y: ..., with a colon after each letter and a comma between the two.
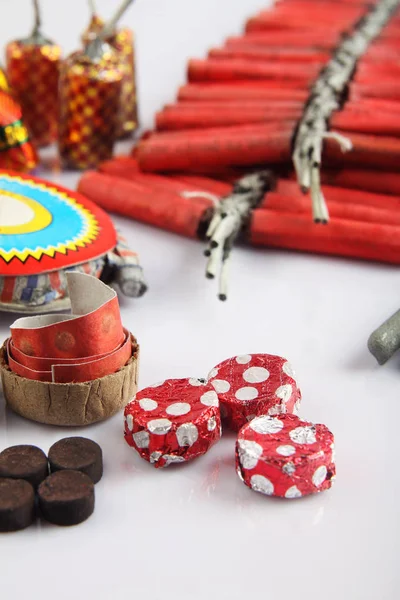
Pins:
x: 66, y: 497
x: 79, y: 454
x: 17, y: 504
x: 24, y: 462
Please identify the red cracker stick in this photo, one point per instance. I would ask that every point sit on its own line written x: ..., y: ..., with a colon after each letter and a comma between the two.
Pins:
x: 368, y: 241
x: 368, y: 180
x: 239, y: 69
x: 267, y: 54
x: 239, y: 90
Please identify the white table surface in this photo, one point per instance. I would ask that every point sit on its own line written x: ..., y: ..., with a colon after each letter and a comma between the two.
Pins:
x: 196, y: 532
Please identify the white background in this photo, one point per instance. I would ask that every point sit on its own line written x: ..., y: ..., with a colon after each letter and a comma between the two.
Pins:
x: 195, y: 531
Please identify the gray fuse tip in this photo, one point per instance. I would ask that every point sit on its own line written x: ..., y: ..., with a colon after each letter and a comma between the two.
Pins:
x: 385, y: 341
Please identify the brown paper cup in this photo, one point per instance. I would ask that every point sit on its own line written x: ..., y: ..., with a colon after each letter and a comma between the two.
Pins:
x: 70, y: 404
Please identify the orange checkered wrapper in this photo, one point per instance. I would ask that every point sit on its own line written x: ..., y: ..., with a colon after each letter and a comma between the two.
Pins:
x: 33, y: 72
x: 123, y: 42
x: 16, y: 151
x: 3, y: 81
x: 90, y: 93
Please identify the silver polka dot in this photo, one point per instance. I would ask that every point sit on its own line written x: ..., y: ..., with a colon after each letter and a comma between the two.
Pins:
x: 129, y: 422
x: 141, y: 439
x: 187, y: 434
x: 243, y: 359
x: 171, y: 459
x: 221, y: 386
x: 155, y: 456
x: 289, y: 468
x: 209, y: 399
x: 249, y: 453
x: 159, y: 426
x: 178, y: 408
x: 293, y: 492
x: 211, y: 423
x: 319, y: 475
x: 148, y: 404
x: 286, y: 450
x: 259, y: 483
x: 195, y: 382
x: 256, y: 375
x: 288, y: 369
x: 266, y: 425
x: 284, y: 392
x: 303, y: 435
x: 246, y: 393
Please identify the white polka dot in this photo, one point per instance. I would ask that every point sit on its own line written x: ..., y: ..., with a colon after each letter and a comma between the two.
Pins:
x: 221, y: 386
x: 266, y: 424
x: 155, y: 457
x: 288, y: 369
x: 303, y: 435
x: 284, y: 392
x: 259, y: 483
x: 293, y: 492
x: 211, y: 423
x: 213, y: 373
x: 209, y: 399
x: 171, y: 459
x: 286, y: 450
x: 246, y: 393
x: 148, y: 404
x: 249, y: 453
x: 187, y: 434
x: 243, y: 359
x: 129, y: 422
x: 256, y: 375
x: 195, y: 382
x: 289, y: 468
x: 178, y: 408
x: 239, y: 472
x: 319, y: 475
x: 159, y: 426
x: 158, y: 384
x: 141, y: 439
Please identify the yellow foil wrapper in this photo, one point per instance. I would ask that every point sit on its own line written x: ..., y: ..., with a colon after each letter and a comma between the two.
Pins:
x: 33, y: 72
x: 89, y: 97
x: 3, y: 81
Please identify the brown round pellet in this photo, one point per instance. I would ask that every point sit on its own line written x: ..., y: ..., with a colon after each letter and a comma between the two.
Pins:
x: 78, y: 454
x: 17, y: 504
x: 24, y: 462
x: 66, y: 497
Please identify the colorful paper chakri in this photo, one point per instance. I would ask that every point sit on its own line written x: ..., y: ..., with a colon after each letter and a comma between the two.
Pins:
x: 46, y: 230
x: 85, y: 362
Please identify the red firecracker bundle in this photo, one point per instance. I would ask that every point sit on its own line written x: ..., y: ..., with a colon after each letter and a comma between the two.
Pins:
x: 300, y: 85
x: 256, y: 395
x: 33, y: 70
x: 62, y: 356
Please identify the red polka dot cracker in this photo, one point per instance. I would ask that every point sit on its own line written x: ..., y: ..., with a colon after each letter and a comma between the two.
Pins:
x: 254, y: 384
x: 284, y: 456
x: 174, y: 421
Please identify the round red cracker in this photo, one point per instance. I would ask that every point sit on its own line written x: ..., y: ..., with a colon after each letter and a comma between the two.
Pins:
x: 254, y: 384
x: 174, y: 421
x: 284, y: 456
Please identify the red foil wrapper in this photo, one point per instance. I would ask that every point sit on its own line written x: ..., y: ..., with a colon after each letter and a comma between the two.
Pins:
x: 285, y: 457
x: 16, y: 150
x: 174, y: 421
x: 254, y: 384
x: 33, y: 72
x: 90, y: 91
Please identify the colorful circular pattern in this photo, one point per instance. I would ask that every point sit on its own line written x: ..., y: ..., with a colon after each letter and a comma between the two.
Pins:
x: 44, y: 227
